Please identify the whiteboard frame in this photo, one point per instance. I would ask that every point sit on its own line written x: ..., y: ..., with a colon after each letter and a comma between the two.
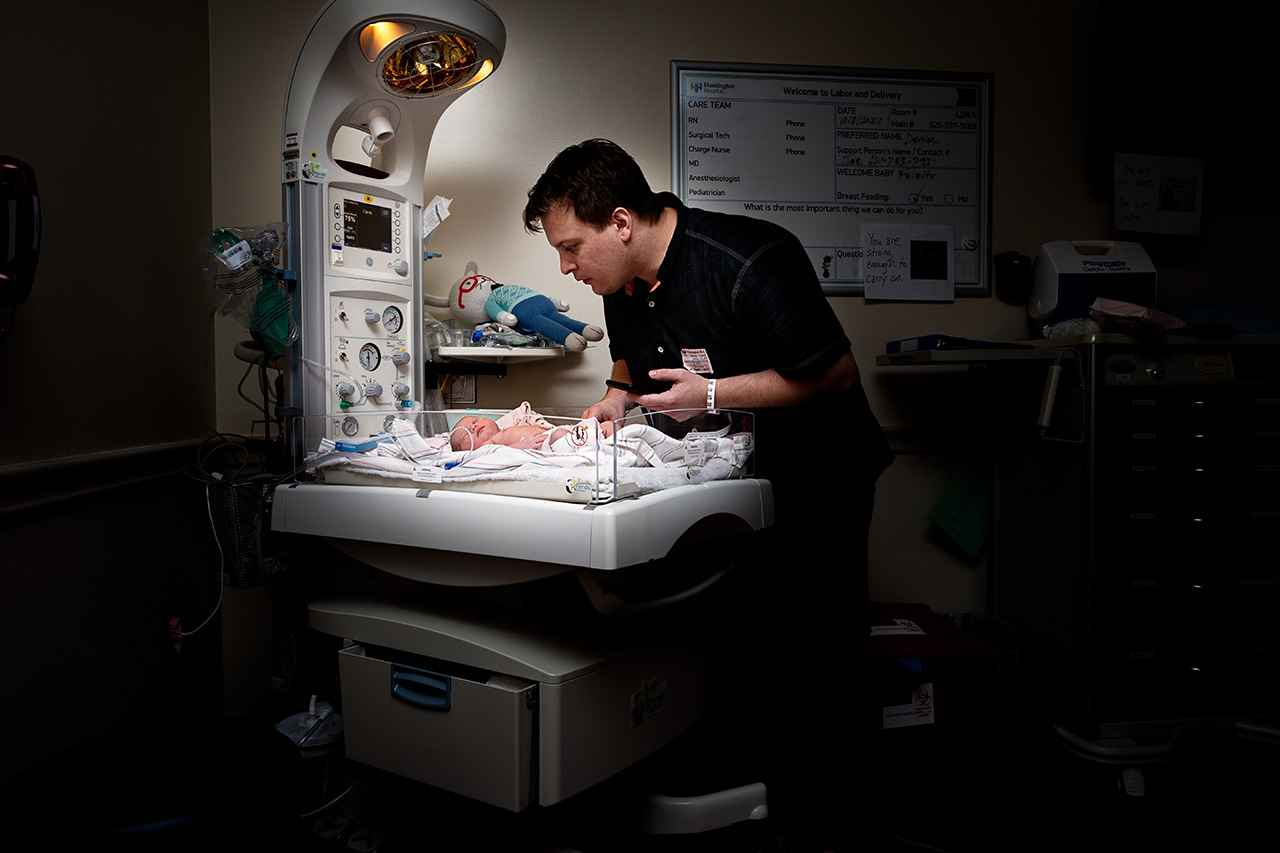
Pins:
x: 983, y: 82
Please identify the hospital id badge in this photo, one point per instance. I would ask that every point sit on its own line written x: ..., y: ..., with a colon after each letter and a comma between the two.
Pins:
x: 695, y: 360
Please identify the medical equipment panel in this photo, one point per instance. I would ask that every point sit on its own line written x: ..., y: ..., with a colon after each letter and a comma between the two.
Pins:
x: 370, y: 368
x: 369, y: 234
x: 499, y: 687
x: 383, y: 78
x: 1068, y: 276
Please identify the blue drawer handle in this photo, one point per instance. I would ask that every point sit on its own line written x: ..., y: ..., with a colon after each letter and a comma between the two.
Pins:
x: 420, y: 687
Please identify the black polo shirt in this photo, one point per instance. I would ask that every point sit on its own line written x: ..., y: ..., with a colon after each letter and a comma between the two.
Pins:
x: 739, y: 295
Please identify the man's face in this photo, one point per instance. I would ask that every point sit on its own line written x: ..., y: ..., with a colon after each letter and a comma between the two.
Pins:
x: 596, y: 257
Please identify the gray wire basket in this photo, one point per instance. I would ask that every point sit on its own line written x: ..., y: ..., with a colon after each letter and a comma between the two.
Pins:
x: 251, y: 553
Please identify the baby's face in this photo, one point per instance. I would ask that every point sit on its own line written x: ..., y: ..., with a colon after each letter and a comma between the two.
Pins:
x: 481, y: 431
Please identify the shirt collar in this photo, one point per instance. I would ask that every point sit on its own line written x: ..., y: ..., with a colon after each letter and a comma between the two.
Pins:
x: 667, y: 270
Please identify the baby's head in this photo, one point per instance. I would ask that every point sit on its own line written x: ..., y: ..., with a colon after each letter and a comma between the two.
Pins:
x: 471, y: 432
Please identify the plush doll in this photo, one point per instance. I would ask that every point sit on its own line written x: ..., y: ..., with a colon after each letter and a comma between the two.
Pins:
x: 476, y: 299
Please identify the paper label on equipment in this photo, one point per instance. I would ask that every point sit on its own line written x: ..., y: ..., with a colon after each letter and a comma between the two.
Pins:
x: 577, y: 484
x: 649, y: 700
x: 917, y: 712
x: 579, y: 435
x: 899, y: 626
x: 237, y: 256
x: 427, y: 475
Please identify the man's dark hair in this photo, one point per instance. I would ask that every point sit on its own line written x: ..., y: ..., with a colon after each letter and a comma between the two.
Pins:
x: 594, y: 178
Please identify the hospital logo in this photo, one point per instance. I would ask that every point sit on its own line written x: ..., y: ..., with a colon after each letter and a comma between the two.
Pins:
x: 711, y: 87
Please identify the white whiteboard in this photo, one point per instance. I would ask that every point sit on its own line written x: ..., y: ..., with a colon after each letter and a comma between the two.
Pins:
x: 842, y: 158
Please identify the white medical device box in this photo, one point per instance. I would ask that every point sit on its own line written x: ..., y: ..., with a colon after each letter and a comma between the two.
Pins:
x: 536, y: 712
x: 1069, y: 275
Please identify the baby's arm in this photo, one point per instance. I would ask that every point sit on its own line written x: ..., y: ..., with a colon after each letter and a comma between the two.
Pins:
x: 523, y: 437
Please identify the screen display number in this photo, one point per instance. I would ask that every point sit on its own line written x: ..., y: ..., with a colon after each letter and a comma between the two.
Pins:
x: 366, y: 226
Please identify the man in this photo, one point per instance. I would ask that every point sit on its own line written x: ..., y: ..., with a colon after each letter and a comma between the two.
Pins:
x: 706, y: 310
x: 726, y: 309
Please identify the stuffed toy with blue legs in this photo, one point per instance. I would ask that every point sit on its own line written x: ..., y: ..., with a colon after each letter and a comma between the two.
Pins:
x: 476, y: 299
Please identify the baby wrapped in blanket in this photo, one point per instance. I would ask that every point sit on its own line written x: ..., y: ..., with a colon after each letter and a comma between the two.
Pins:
x: 529, y: 447
x: 636, y: 443
x: 521, y: 428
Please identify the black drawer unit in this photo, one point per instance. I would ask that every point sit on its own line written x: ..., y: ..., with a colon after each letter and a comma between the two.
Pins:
x: 1144, y: 547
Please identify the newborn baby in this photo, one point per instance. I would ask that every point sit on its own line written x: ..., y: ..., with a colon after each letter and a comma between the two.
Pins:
x: 522, y: 428
x: 472, y: 432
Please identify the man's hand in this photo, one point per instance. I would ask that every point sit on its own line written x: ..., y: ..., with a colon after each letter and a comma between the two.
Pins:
x: 766, y: 389
x: 614, y: 405
x: 688, y: 392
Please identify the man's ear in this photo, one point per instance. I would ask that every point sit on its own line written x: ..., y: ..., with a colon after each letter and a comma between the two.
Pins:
x: 622, y: 220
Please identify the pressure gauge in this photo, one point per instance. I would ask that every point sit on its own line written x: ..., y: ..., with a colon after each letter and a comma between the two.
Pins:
x: 370, y: 356
x: 392, y: 320
x: 350, y: 426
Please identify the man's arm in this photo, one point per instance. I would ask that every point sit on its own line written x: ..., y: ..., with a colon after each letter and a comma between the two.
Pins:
x: 766, y: 389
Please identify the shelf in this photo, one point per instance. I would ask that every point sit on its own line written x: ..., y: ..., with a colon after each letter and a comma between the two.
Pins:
x: 964, y: 355
x: 501, y: 355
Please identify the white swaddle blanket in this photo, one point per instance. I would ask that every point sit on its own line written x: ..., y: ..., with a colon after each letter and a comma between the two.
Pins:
x: 636, y: 453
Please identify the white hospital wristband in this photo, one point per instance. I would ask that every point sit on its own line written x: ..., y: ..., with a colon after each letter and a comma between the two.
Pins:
x: 711, y: 396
